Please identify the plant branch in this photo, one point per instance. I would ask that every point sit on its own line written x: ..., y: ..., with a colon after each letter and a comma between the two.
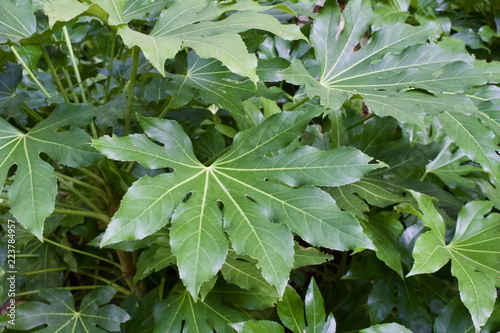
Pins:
x: 80, y: 195
x: 362, y: 121
x: 102, y: 193
x: 75, y: 65
x: 131, y: 90
x: 299, y: 103
x: 110, y: 66
x: 103, y: 217
x: 30, y: 73
x: 54, y: 73
x: 31, y: 113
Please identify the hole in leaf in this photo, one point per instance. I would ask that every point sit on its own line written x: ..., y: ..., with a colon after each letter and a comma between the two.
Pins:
x: 186, y: 198
x: 12, y: 170
x: 250, y: 198
x: 220, y: 205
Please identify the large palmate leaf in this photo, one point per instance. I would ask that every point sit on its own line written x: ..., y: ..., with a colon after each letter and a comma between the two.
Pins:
x: 32, y: 195
x: 192, y: 23
x: 258, y: 215
x: 60, y: 314
x: 473, y: 252
x: 215, y: 83
x: 394, y: 61
x: 17, y: 21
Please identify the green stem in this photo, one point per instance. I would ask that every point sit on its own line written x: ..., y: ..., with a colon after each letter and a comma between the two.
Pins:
x: 63, y: 205
x: 110, y: 283
x: 82, y: 252
x: 92, y: 175
x: 102, y: 217
x: 31, y: 292
x: 129, y: 167
x: 131, y: 90
x: 70, y: 85
x: 55, y: 269
x: 30, y: 73
x: 31, y: 113
x: 299, y: 103
x: 80, y: 195
x: 362, y: 121
x: 54, y: 72
x: 215, y: 157
x: 84, y: 184
x: 75, y: 66
x: 162, y: 286
x: 165, y: 109
x: 110, y: 66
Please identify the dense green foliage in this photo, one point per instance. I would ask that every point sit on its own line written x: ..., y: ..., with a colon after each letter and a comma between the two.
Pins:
x: 250, y: 166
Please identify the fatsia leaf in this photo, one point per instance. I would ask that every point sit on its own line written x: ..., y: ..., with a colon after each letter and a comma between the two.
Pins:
x: 32, y: 195
x: 386, y: 328
x: 448, y: 166
x: 381, y: 300
x: 9, y: 99
x: 152, y: 260
x: 215, y: 83
x: 395, y: 60
x: 254, y: 326
x: 180, y: 313
x: 17, y: 21
x: 384, y: 231
x: 473, y: 252
x: 258, y: 215
x: 309, y: 256
x: 454, y: 317
x: 60, y: 315
x: 63, y: 10
x: 241, y: 271
x: 191, y: 23
x: 291, y: 311
x: 474, y: 138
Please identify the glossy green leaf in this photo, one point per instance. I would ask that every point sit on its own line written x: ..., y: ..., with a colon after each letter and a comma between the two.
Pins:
x: 381, y: 300
x: 33, y: 192
x: 237, y: 180
x: 215, y: 83
x: 179, y: 312
x: 61, y: 316
x: 17, y: 21
x: 258, y: 326
x: 386, y: 328
x: 384, y: 231
x: 474, y: 138
x: 291, y: 311
x: 450, y: 168
x: 309, y: 256
x: 241, y: 271
x: 63, y: 10
x: 454, y: 317
x: 315, y: 311
x: 9, y: 99
x: 152, y: 260
x: 472, y: 251
x: 191, y: 23
x: 395, y: 60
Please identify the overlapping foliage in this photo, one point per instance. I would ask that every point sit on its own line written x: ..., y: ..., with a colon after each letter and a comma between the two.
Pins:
x: 206, y: 165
